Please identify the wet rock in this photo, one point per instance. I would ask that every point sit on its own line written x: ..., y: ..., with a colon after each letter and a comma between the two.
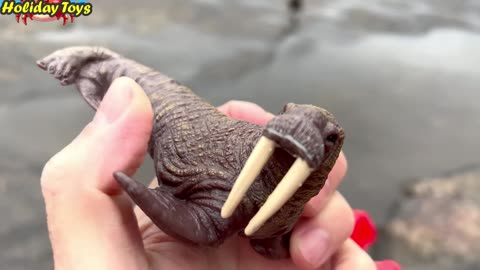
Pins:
x: 437, y: 224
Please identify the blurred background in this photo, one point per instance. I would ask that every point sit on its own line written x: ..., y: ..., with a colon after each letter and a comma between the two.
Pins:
x: 401, y: 76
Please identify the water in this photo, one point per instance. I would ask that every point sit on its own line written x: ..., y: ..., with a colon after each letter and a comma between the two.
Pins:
x: 402, y: 78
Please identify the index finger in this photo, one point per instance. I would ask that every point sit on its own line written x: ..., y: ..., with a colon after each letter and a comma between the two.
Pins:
x: 247, y: 111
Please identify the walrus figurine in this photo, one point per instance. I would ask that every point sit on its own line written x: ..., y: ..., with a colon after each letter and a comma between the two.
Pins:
x: 217, y: 176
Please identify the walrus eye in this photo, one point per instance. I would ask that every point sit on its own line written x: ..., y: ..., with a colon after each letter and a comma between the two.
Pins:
x: 332, y: 138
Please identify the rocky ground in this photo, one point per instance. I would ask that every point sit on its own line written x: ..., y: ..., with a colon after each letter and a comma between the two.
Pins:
x: 401, y: 77
x: 436, y: 225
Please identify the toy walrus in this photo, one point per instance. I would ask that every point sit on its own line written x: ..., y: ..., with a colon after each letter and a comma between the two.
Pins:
x: 217, y: 176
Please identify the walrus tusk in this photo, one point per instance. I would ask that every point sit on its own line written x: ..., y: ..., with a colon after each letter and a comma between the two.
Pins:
x: 258, y: 158
x: 290, y: 183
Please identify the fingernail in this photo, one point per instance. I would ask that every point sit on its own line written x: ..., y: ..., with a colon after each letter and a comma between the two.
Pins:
x: 314, y: 246
x: 115, y: 102
x: 388, y: 265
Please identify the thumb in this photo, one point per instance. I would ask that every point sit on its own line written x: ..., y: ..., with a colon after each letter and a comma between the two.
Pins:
x: 87, y: 212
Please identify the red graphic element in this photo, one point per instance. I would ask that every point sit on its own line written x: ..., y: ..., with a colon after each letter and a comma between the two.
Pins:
x: 46, y: 18
x: 365, y: 233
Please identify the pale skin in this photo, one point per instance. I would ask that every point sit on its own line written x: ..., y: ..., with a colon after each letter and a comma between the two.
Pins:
x: 93, y: 224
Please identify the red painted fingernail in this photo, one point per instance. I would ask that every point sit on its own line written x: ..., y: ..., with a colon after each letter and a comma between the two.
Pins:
x: 388, y: 265
x: 364, y: 232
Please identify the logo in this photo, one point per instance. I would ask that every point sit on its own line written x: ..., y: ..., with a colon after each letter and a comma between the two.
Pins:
x: 45, y: 10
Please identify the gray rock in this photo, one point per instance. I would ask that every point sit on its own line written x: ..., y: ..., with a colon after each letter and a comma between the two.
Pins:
x: 437, y: 224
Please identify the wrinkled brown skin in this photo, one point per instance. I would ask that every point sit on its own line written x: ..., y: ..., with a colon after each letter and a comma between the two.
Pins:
x: 198, y: 152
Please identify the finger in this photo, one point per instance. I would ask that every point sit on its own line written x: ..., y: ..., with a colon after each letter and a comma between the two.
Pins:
x: 144, y: 222
x: 87, y: 213
x: 315, y: 239
x: 315, y: 205
x: 247, y: 111
x: 388, y: 265
x: 351, y: 256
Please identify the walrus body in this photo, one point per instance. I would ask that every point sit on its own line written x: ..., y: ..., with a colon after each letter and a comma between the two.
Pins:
x: 198, y: 153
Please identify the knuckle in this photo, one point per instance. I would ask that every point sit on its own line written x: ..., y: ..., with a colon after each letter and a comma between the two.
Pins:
x: 89, y: 130
x: 50, y: 174
x: 57, y: 168
x: 51, y: 167
x: 70, y: 161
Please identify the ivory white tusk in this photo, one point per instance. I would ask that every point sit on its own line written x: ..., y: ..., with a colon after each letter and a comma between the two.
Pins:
x: 291, y: 182
x: 255, y: 162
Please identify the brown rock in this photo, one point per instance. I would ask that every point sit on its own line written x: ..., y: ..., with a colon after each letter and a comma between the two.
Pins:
x: 437, y: 224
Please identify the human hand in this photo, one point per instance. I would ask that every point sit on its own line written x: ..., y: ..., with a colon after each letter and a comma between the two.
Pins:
x: 93, y: 225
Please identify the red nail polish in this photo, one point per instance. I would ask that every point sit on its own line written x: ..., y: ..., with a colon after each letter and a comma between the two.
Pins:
x: 364, y: 232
